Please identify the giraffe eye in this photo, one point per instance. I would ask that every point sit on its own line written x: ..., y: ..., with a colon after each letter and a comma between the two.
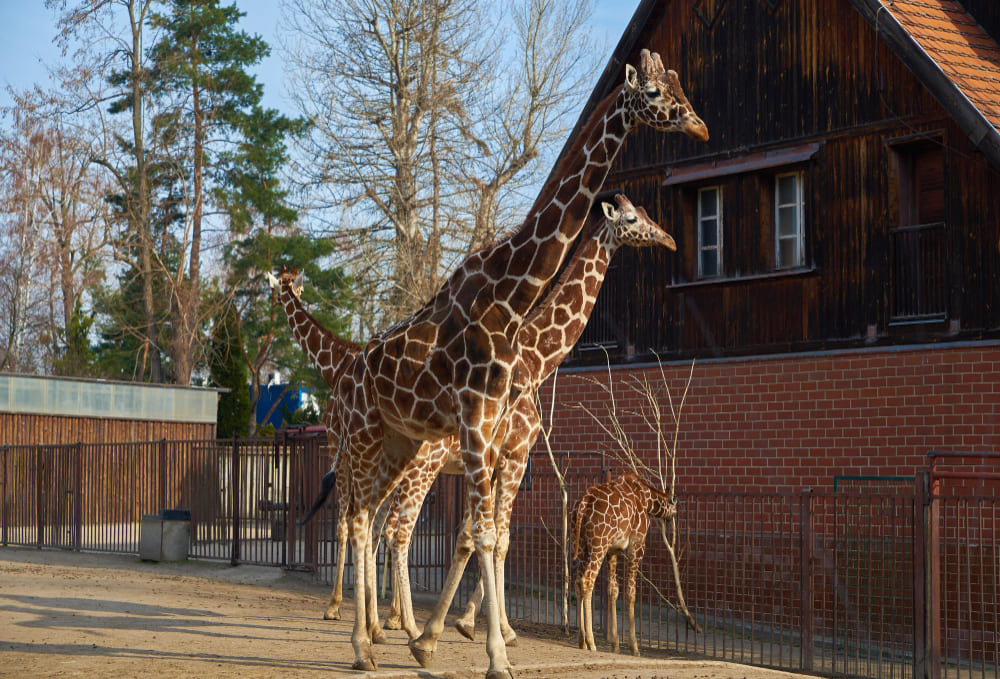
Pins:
x: 652, y: 92
x: 631, y: 219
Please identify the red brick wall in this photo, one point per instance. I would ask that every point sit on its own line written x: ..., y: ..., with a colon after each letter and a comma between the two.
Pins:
x: 780, y: 424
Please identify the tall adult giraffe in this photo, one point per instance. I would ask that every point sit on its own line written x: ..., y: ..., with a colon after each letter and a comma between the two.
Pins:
x: 450, y: 367
x: 329, y: 354
x: 549, y: 334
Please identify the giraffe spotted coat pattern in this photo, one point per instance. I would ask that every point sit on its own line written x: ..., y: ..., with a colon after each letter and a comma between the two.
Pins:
x: 613, y: 518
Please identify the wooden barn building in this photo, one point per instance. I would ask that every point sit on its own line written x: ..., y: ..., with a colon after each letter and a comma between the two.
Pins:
x: 36, y: 410
x: 837, y: 277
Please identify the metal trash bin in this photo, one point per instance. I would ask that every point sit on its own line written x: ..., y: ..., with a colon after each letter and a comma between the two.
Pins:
x: 165, y: 536
x: 150, y: 537
x: 176, y: 542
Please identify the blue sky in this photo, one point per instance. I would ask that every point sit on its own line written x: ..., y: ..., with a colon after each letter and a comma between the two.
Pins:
x: 28, y: 30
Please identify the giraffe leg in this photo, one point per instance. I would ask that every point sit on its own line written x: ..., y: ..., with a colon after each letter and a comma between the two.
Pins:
x: 581, y: 617
x: 401, y: 573
x: 422, y: 648
x: 371, y: 590
x: 360, y: 637
x: 466, y: 624
x: 588, y: 612
x: 590, y: 572
x: 510, y: 481
x: 475, y: 452
x: 612, y: 626
x: 393, y: 620
x: 337, y: 596
x: 632, y: 561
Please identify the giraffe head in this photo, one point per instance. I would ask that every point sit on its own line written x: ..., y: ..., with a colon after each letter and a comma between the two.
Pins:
x: 293, y: 279
x: 657, y: 99
x: 630, y: 225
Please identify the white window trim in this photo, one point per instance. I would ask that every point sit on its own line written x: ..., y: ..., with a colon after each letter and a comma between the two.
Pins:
x: 718, y: 231
x: 800, y: 216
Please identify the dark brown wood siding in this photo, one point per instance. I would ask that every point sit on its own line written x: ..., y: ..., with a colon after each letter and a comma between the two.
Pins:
x: 20, y: 429
x: 806, y: 72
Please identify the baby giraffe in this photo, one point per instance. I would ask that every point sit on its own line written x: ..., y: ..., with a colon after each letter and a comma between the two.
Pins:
x: 612, y: 518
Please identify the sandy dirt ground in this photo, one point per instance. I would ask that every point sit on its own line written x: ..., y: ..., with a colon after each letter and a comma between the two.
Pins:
x: 65, y: 614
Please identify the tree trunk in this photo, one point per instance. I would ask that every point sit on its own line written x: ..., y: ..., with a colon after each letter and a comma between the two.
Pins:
x: 140, y: 212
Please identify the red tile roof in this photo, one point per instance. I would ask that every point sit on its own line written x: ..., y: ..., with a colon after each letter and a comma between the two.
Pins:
x: 963, y: 51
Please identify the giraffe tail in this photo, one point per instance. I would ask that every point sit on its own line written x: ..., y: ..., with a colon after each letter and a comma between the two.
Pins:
x: 327, y: 484
x: 578, y: 511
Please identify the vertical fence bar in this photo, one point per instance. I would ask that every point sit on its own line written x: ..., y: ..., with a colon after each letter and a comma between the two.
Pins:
x: 235, y: 473
x: 920, y: 616
x: 933, y: 607
x: 162, y: 488
x: 6, y: 515
x: 39, y: 497
x: 78, y: 497
x: 805, y: 581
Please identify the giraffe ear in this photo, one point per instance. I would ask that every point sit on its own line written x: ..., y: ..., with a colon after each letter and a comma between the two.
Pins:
x: 610, y: 213
x: 300, y: 280
x: 631, y: 77
x: 271, y: 280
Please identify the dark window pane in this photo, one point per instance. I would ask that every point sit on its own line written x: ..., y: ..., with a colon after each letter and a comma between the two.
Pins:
x: 709, y: 263
x: 786, y: 190
x: 709, y: 233
x: 788, y: 252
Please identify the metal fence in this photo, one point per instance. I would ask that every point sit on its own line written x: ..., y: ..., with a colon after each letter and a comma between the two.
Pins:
x: 864, y: 582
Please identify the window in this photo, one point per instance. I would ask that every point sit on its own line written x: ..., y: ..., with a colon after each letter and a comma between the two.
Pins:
x: 789, y: 246
x: 709, y: 232
x: 918, y: 234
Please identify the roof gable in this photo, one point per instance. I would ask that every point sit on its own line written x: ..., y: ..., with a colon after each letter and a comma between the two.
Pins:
x: 953, y: 57
x: 959, y: 46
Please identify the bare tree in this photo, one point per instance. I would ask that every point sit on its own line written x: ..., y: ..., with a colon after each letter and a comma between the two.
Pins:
x: 425, y: 112
x: 563, y: 539
x: 25, y: 153
x: 108, y: 37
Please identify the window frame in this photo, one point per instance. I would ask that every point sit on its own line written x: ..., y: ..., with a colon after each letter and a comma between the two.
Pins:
x: 799, y: 221
x: 700, y: 219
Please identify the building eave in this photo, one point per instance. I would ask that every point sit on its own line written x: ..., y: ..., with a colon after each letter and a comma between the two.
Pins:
x: 965, y: 114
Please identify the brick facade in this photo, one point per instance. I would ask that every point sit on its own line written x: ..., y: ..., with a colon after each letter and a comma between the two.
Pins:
x: 778, y: 424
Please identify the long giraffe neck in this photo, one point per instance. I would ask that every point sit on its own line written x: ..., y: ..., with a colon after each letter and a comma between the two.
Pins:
x: 518, y: 268
x: 326, y: 351
x: 556, y: 225
x: 553, y: 327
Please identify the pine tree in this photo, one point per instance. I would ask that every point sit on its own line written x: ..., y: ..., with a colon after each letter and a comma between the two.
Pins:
x: 229, y: 370
x: 228, y: 144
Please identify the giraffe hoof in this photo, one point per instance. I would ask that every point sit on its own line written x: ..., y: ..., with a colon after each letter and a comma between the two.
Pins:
x: 510, y: 637
x: 421, y: 655
x: 380, y: 638
x: 393, y: 623
x: 332, y: 615
x: 506, y: 673
x: 364, y: 665
x: 466, y: 630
